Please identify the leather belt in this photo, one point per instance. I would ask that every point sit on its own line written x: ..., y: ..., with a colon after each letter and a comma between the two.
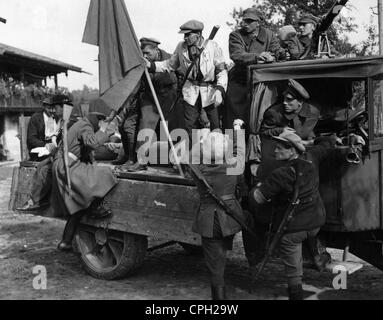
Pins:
x: 228, y: 197
x: 201, y: 83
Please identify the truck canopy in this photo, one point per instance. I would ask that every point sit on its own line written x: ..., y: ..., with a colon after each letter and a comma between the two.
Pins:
x: 363, y: 67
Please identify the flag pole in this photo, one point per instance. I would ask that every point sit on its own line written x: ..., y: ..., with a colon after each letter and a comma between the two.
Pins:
x: 163, y: 121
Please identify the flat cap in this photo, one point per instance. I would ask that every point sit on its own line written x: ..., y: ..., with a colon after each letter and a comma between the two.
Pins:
x: 253, y: 14
x: 191, y: 26
x: 308, y: 18
x: 291, y: 138
x: 152, y: 41
x: 296, y: 90
x: 57, y: 99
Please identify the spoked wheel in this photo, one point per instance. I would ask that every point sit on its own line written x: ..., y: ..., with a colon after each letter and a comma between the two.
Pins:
x: 110, y: 254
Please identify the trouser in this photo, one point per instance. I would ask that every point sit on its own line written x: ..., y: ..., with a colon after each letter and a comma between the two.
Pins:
x: 214, y: 250
x: 128, y: 132
x: 42, y: 183
x: 290, y: 249
x: 192, y: 114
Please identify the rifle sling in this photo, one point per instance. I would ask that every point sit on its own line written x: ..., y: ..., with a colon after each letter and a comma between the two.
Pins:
x: 219, y: 200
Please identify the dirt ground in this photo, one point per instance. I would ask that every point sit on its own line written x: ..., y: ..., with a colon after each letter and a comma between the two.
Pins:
x: 167, y: 274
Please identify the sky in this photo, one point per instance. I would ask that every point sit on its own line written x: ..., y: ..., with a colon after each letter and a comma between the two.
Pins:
x: 54, y: 28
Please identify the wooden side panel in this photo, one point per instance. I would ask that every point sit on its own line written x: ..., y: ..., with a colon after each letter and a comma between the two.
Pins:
x: 154, y: 209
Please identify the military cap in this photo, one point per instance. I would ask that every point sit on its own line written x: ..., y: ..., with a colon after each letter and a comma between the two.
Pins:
x: 308, y: 18
x: 191, y: 26
x: 291, y: 138
x: 57, y: 99
x: 252, y: 14
x: 152, y: 41
x: 297, y: 90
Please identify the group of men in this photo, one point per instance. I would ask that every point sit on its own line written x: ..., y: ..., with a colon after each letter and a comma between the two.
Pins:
x: 222, y: 99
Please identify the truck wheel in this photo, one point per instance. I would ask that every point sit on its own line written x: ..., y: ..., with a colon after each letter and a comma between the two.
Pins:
x: 110, y: 254
x: 192, y: 249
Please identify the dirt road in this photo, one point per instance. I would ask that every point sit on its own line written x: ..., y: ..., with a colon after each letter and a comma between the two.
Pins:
x: 167, y: 274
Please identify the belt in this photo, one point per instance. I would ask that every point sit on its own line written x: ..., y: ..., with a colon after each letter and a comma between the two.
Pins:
x: 229, y: 197
x: 72, y: 156
x: 201, y: 83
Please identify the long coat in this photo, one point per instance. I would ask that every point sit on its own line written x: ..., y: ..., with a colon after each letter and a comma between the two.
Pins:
x: 88, y: 181
x: 224, y: 184
x: 244, y: 50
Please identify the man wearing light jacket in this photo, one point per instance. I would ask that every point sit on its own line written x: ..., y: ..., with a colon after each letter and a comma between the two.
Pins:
x: 207, y: 82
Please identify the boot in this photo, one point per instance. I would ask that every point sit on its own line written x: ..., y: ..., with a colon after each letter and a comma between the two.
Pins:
x: 69, y: 232
x: 295, y: 292
x: 218, y: 293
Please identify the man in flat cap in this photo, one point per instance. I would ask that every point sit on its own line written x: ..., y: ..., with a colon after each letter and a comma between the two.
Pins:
x: 251, y: 44
x: 296, y: 113
x: 207, y: 82
x: 43, y: 134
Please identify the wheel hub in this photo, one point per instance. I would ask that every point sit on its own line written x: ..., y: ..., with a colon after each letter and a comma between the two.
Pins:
x: 101, y: 237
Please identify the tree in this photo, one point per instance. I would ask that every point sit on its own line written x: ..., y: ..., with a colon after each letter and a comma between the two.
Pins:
x: 278, y: 13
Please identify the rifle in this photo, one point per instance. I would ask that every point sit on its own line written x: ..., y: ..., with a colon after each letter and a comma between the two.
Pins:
x: 186, y: 76
x: 219, y: 200
x: 282, y: 226
x: 66, y: 115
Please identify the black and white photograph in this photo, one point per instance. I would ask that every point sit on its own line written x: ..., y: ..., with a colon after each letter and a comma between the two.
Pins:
x: 181, y: 153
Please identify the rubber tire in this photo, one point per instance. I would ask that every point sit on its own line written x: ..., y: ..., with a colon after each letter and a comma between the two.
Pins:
x: 133, y: 255
x: 192, y: 249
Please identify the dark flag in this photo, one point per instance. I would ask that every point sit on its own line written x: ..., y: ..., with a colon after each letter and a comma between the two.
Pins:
x: 121, y: 63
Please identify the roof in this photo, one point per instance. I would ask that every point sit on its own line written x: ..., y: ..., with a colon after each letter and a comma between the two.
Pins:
x: 321, y: 68
x: 52, y: 66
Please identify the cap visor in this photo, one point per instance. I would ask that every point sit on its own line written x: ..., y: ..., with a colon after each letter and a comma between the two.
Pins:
x: 185, y: 31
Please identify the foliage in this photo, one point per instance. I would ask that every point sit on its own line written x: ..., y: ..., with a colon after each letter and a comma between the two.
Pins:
x: 85, y: 95
x: 278, y: 13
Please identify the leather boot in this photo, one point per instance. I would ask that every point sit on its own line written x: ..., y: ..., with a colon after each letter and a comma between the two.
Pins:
x: 320, y: 259
x: 69, y: 232
x: 295, y: 292
x: 218, y: 293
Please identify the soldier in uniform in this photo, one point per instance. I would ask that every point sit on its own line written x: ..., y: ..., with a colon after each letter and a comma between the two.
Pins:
x: 44, y: 130
x: 295, y: 112
x: 89, y: 183
x: 301, y: 169
x: 216, y: 228
x: 307, y: 26
x: 207, y: 82
x: 249, y: 45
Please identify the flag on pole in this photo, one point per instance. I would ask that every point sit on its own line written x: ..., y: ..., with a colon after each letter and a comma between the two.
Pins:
x: 121, y: 64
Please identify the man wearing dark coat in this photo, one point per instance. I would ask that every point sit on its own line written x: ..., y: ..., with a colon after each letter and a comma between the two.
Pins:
x: 44, y: 131
x: 89, y: 183
x: 143, y: 113
x: 309, y: 214
x: 249, y: 45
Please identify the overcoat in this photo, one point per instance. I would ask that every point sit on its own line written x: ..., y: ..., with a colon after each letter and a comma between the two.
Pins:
x: 88, y: 181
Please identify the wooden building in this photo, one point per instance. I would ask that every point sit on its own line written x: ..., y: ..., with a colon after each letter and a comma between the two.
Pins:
x: 23, y: 86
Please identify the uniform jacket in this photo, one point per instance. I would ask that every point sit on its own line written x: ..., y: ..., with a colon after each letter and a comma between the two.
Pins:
x: 212, y: 67
x: 224, y: 185
x: 278, y: 188
x: 274, y: 120
x: 244, y: 50
x: 89, y: 182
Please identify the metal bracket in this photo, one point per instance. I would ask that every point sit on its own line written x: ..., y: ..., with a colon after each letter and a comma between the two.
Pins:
x: 324, y: 37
